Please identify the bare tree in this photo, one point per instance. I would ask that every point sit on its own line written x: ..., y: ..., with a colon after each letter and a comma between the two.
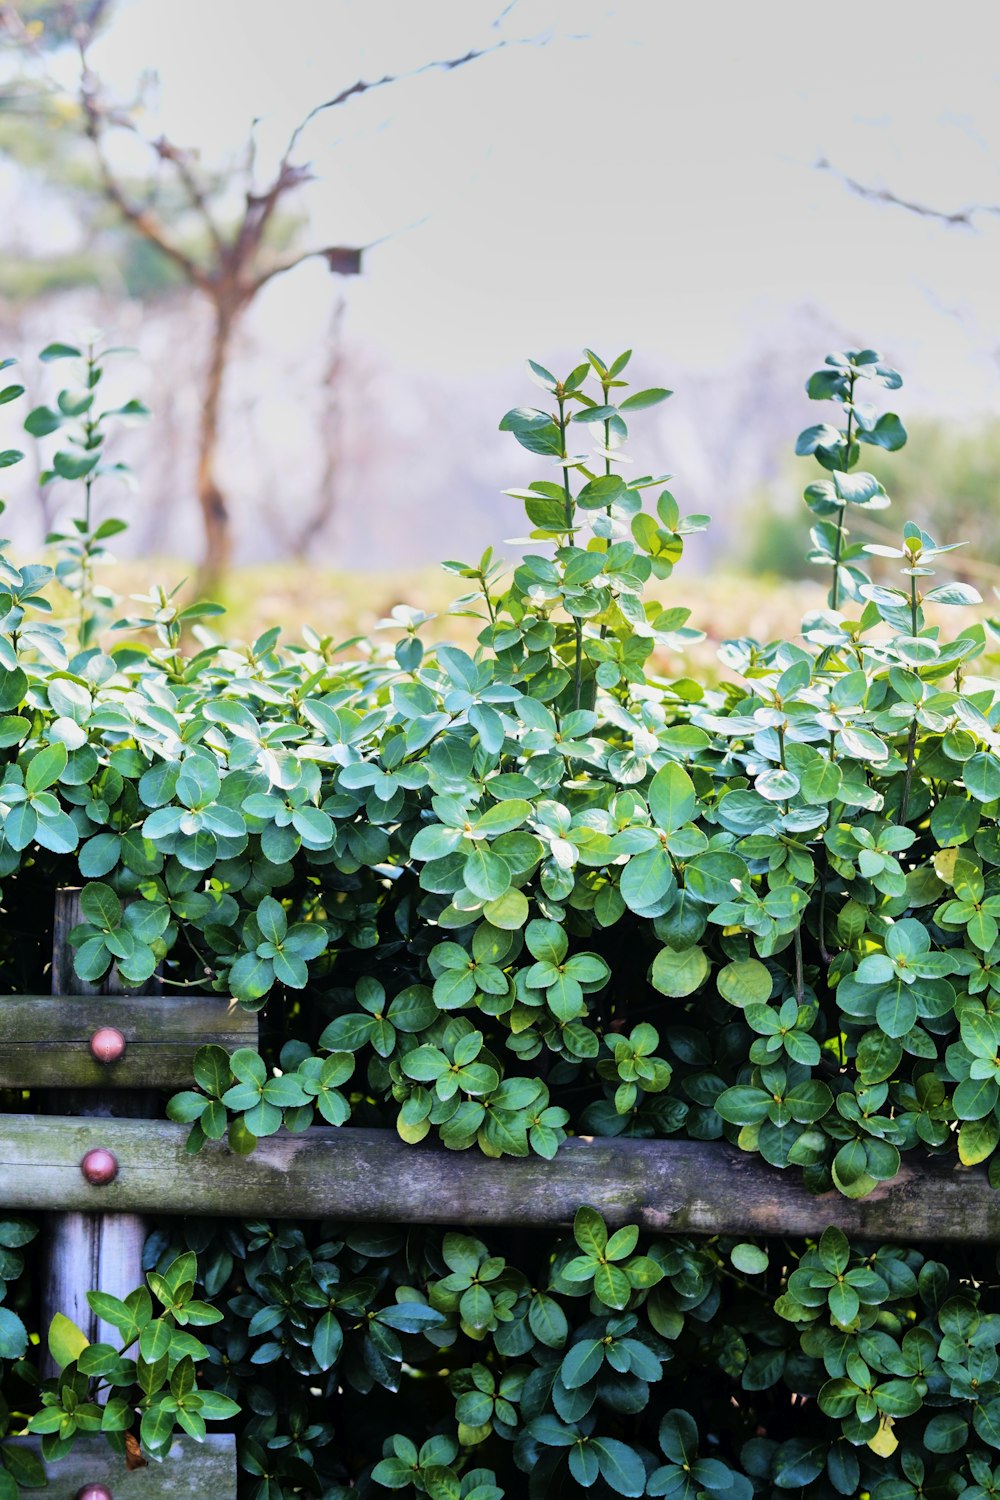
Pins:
x: 227, y: 256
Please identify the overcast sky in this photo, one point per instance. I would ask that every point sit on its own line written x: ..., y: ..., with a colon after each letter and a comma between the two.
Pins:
x: 639, y: 172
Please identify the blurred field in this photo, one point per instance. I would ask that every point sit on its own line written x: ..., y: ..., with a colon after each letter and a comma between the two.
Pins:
x: 345, y: 604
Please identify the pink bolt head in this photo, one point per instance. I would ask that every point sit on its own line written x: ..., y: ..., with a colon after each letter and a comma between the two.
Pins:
x: 93, y: 1492
x: 107, y: 1045
x: 99, y: 1166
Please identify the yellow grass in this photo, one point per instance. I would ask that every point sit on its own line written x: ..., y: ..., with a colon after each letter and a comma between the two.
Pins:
x: 344, y: 604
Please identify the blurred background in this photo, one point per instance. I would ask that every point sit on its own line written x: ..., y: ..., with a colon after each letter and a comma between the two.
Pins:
x: 333, y: 229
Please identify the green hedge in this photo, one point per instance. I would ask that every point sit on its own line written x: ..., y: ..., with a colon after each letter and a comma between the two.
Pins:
x: 492, y: 897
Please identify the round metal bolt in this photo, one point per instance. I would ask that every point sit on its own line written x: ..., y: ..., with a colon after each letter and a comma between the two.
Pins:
x: 99, y: 1167
x: 94, y: 1492
x: 107, y: 1045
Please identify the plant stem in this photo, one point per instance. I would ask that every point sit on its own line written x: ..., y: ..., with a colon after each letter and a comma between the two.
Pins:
x: 841, y: 528
x: 86, y: 559
x: 821, y: 920
x: 568, y: 493
x: 824, y: 953
x: 911, y: 742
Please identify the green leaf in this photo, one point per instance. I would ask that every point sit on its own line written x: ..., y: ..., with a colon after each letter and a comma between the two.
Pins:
x: 834, y: 1251
x: 486, y: 874
x: 954, y: 820
x: 327, y: 1341
x: 646, y: 879
x: 977, y: 1139
x: 154, y: 1341
x: 211, y: 1070
x: 215, y: 1407
x: 45, y: 768
x: 844, y: 1303
x: 821, y: 782
x: 251, y: 977
x: 547, y: 1321
x: 589, y: 1231
x: 66, y: 1341
x: 639, y: 400
x: 981, y: 774
x: 24, y: 1467
x: 99, y: 855
x: 100, y: 905
x: 743, y: 1105
x: 750, y: 1259
x: 896, y: 1011
x: 947, y: 1432
x: 679, y: 973
x: 612, y: 1286
x: 672, y: 798
x: 888, y: 433
x: 798, y: 1462
x: 59, y: 351
x: 42, y: 421
x: 878, y: 1057
x: 954, y: 593
x: 156, y: 1428
x: 744, y: 982
x: 13, y: 1335
x: 621, y: 1467
x: 509, y: 912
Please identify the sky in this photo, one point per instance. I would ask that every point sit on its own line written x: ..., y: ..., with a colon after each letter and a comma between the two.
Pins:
x: 640, y: 173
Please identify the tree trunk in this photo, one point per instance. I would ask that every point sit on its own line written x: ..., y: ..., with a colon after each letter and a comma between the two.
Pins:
x: 214, y: 509
x: 332, y: 437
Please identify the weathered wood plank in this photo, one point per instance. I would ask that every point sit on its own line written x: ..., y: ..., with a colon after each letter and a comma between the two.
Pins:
x: 45, y: 1039
x: 700, y: 1187
x: 196, y: 1470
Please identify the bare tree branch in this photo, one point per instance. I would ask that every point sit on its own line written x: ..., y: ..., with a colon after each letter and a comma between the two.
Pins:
x: 180, y: 160
x: 962, y: 216
x: 238, y: 260
x: 343, y: 260
x: 367, y: 86
x: 142, y: 219
x: 261, y: 207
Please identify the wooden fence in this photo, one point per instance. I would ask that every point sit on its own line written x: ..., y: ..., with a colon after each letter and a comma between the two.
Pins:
x: 96, y: 1163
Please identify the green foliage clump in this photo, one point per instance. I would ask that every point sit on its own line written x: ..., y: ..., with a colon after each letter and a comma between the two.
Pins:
x: 493, y: 898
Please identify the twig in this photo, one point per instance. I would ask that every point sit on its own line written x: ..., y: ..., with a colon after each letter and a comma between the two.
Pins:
x: 961, y: 216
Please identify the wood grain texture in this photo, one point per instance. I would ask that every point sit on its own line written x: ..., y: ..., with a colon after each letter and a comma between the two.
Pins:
x: 44, y: 1039
x: 192, y: 1471
x: 675, y: 1187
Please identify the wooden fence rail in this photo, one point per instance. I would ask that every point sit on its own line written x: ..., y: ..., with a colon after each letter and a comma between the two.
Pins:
x: 45, y: 1039
x: 673, y: 1187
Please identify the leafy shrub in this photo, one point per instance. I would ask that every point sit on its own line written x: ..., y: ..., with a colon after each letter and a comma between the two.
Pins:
x: 494, y: 899
x: 437, y: 1363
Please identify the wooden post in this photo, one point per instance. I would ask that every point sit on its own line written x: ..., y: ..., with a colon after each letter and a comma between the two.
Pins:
x: 87, y: 1251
